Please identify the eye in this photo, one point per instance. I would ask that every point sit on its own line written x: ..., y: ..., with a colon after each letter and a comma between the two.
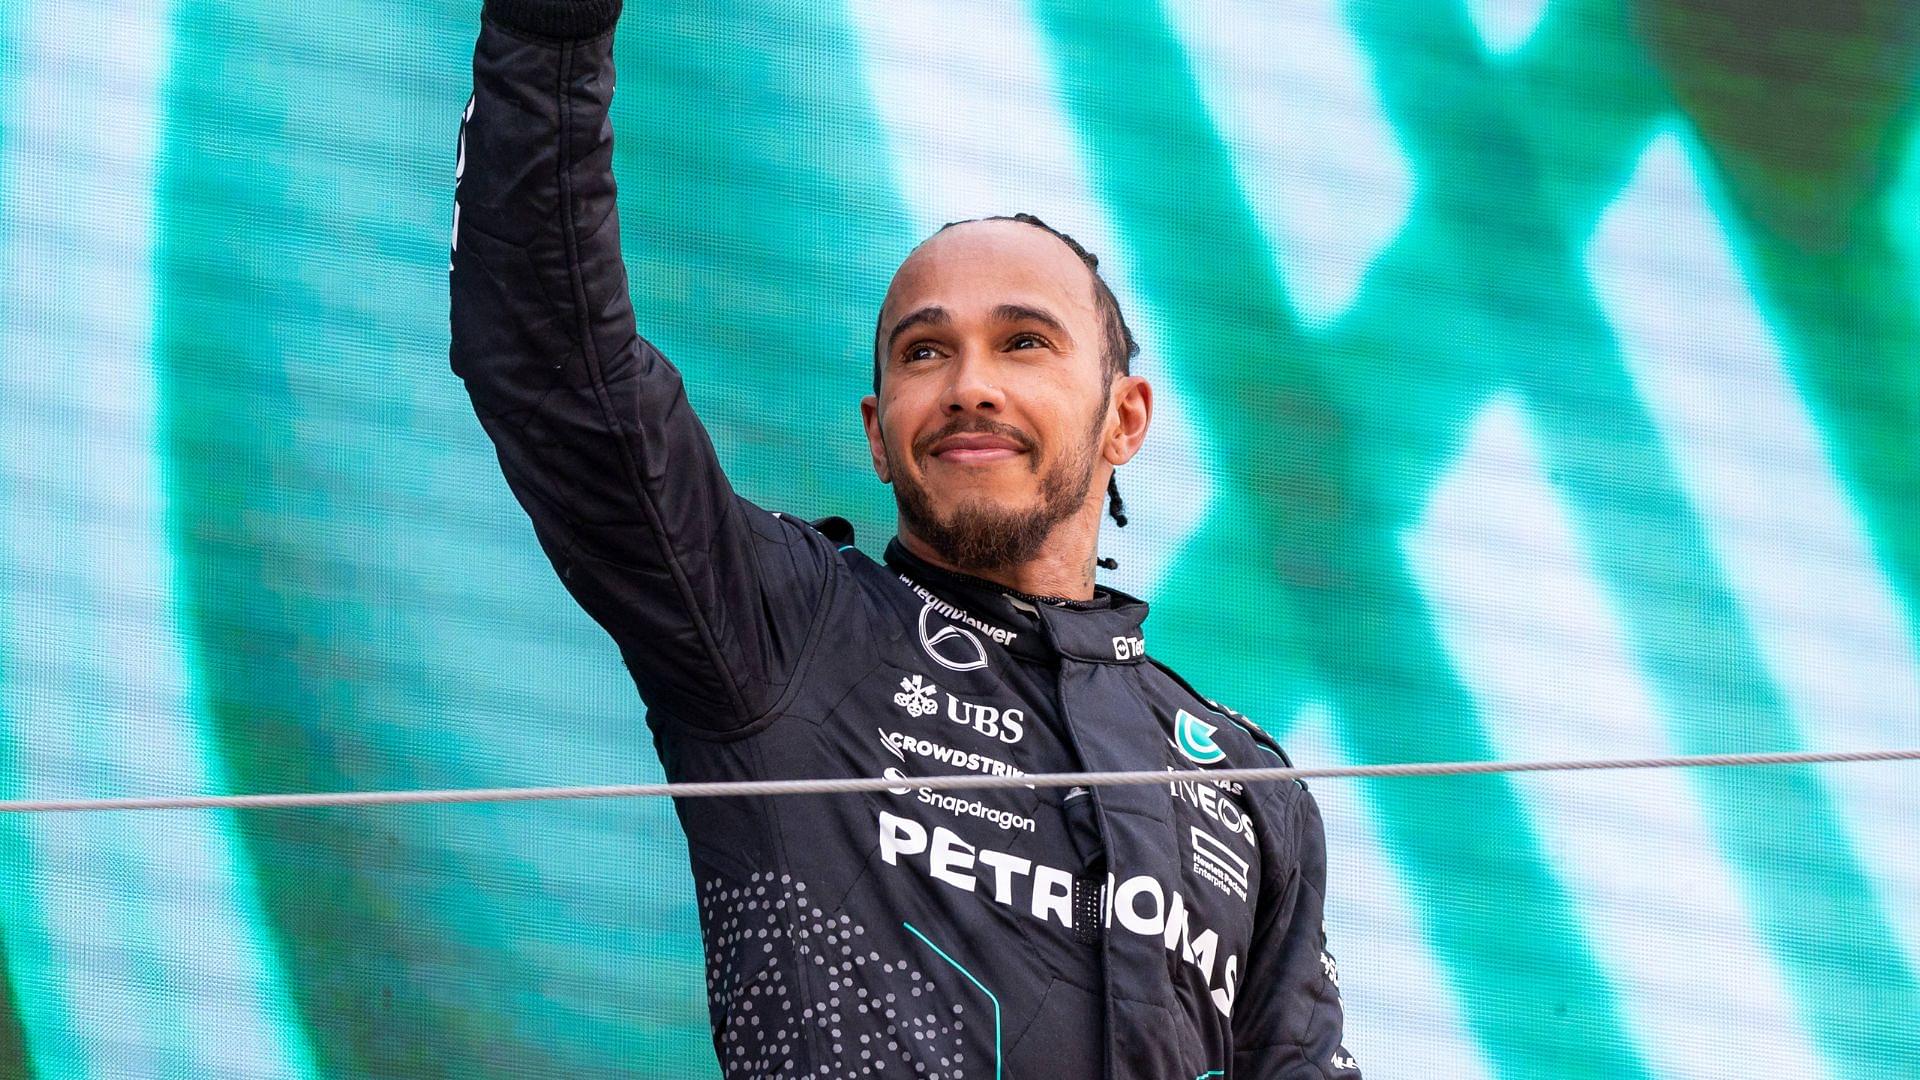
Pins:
x: 920, y: 351
x: 1021, y: 341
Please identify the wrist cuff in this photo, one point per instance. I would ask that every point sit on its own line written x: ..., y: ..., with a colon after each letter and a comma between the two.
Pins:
x: 555, y: 20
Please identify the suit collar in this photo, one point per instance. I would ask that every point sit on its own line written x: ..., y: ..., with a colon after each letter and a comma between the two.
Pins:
x: 1104, y: 630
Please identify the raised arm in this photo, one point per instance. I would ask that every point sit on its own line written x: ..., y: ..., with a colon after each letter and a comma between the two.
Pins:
x: 710, y: 599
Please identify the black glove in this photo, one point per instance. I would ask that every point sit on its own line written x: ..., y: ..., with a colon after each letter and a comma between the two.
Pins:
x: 555, y: 20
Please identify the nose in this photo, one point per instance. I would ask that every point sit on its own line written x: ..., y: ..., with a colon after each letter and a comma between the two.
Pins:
x: 972, y: 387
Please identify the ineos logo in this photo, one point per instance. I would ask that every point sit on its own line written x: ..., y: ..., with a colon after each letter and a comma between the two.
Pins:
x: 968, y: 655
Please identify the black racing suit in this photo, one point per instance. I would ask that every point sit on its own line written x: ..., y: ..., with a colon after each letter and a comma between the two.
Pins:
x: 1166, y: 932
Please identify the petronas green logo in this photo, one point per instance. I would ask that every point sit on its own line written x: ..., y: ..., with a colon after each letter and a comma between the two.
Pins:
x: 1194, y: 738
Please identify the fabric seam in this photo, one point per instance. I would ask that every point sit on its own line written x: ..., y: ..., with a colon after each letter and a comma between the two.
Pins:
x: 596, y: 375
x: 758, y: 723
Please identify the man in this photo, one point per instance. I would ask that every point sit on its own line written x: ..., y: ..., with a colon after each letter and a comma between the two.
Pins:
x: 1171, y: 931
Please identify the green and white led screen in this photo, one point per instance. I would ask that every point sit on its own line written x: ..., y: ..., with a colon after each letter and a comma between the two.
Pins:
x: 1536, y: 378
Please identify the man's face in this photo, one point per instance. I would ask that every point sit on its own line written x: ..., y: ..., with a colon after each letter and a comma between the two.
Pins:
x: 994, y: 399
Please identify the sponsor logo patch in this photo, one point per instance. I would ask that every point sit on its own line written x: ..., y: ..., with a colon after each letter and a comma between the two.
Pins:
x: 960, y: 807
x: 1007, y: 725
x: 917, y: 696
x: 1193, y: 737
x: 1218, y: 864
x: 920, y: 696
x: 900, y: 744
x: 1212, y: 798
x: 954, y: 647
x: 1139, y: 905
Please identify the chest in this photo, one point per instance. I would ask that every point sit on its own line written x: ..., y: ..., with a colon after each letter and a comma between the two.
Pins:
x: 1176, y: 864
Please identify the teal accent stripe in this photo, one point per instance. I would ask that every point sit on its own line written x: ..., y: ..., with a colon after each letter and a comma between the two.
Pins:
x: 970, y: 978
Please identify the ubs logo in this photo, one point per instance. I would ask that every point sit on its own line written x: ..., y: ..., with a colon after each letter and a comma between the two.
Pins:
x: 918, y: 697
x: 955, y: 648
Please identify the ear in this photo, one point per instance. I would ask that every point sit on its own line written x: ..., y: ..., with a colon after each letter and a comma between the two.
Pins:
x: 876, y: 442
x: 1131, y: 410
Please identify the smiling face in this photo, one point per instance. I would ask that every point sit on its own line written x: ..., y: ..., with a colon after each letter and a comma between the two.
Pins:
x: 996, y: 414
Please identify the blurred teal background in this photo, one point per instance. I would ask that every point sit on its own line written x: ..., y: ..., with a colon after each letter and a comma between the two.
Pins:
x: 1536, y: 378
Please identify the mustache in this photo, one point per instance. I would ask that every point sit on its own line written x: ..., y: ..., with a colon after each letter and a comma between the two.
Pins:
x: 973, y: 425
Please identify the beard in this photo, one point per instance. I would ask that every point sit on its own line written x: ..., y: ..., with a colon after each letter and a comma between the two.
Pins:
x: 980, y: 534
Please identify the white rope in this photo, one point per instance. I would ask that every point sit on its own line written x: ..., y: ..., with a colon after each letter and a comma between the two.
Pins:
x: 964, y: 781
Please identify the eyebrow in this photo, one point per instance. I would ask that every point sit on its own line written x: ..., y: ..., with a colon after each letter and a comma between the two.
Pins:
x: 927, y: 316
x: 1023, y: 313
x: 935, y: 315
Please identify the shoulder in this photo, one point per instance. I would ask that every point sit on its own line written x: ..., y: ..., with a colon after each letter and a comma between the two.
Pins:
x: 1265, y: 743
x: 880, y: 591
x: 1216, y: 735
